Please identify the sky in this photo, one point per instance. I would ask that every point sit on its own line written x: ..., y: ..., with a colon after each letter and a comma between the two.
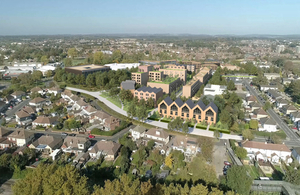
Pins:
x: 213, y: 17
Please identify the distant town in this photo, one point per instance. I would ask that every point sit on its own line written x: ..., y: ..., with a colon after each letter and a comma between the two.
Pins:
x: 149, y: 115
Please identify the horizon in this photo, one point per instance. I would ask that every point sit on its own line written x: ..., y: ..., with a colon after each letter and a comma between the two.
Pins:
x: 229, y: 18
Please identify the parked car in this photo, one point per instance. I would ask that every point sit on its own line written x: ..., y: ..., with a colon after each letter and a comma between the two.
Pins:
x: 91, y: 136
x: 64, y: 134
x: 227, y: 163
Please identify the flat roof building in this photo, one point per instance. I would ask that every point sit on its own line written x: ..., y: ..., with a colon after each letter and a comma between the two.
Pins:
x: 86, y: 69
x: 181, y: 73
x: 140, y: 77
x: 168, y: 85
x: 214, y: 89
x: 116, y: 66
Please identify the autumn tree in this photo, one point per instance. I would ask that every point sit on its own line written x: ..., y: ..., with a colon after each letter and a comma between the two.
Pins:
x: 169, y: 161
x: 253, y: 124
x: 247, y: 134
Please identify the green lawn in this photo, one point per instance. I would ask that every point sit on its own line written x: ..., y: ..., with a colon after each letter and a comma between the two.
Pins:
x: 104, y: 94
x: 253, y: 171
x: 118, y: 161
x: 280, y: 134
x: 115, y: 100
x: 76, y: 62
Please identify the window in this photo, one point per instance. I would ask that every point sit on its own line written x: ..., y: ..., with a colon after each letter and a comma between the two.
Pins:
x: 171, y: 112
x: 212, y: 118
x: 141, y: 93
x: 185, y: 109
x: 160, y: 111
x: 174, y: 108
x: 194, y: 116
x: 209, y: 113
x: 147, y: 94
x: 163, y: 106
x: 199, y: 116
x: 182, y: 114
x: 206, y: 118
x: 197, y: 111
x: 176, y: 113
x: 187, y: 115
x: 136, y: 93
x: 165, y: 112
x: 152, y: 95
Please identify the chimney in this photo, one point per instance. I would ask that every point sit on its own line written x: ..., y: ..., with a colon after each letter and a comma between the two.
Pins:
x: 157, y: 133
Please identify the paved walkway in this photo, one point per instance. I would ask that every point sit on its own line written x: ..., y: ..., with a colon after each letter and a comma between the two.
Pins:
x: 192, y: 130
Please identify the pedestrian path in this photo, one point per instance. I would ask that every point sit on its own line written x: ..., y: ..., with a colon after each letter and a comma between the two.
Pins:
x: 192, y: 130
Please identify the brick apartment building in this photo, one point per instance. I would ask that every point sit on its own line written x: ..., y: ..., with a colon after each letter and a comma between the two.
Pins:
x: 145, y: 68
x: 167, y: 87
x: 147, y: 92
x: 156, y: 75
x: 181, y: 73
x: 188, y: 110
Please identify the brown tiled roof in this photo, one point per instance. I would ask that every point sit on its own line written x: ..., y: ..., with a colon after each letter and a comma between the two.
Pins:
x: 55, y: 89
x: 108, y: 147
x: 260, y: 111
x: 100, y: 114
x: 37, y: 100
x: 22, y: 114
x: 251, y: 98
x: 47, y: 140
x: 184, y: 141
x: 18, y: 93
x: 68, y: 93
x: 73, y: 142
x: 75, y: 97
x: 90, y: 109
x: 4, y: 132
x: 35, y: 89
x: 30, y: 109
x: 45, y: 120
x: 21, y: 134
x: 110, y: 120
x: 264, y: 146
x: 153, y: 131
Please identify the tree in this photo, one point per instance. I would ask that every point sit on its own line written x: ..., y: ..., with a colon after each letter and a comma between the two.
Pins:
x: 49, y: 73
x: 207, y: 145
x: 173, y: 96
x: 235, y: 127
x: 53, y: 179
x: 169, y: 161
x: 267, y: 106
x: 117, y: 56
x: 72, y: 52
x: 253, y: 124
x: 276, y: 139
x: 231, y: 85
x: 200, y: 91
x: 44, y: 60
x: 185, y: 128
x: 131, y: 112
x: 205, y: 100
x: 292, y: 175
x: 241, y: 152
x: 226, y: 118
x: 114, y: 91
x: 68, y: 62
x: 150, y: 144
x: 150, y: 103
x: 141, y: 113
x: 238, y: 179
x: 216, y: 134
x: 37, y: 75
x: 90, y: 80
x: 247, y: 134
x: 98, y: 58
x: 125, y: 95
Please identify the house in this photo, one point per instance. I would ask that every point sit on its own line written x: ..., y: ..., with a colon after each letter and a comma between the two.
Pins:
x: 3, y: 106
x: 260, y: 113
x: 296, y: 153
x: 80, y: 104
x: 108, y: 122
x: 37, y: 90
x: 46, y: 144
x: 67, y: 94
x: 295, y: 116
x: 286, y: 81
x: 89, y: 110
x: 23, y: 118
x: 8, y: 99
x: 21, y: 137
x: 45, y: 121
x: 137, y: 132
x: 272, y: 76
x: 287, y: 109
x: 159, y: 136
x: 111, y: 123
x: 268, y: 124
x: 250, y: 99
x: 75, y: 145
x: 54, y: 90
x: 4, y: 142
x: 38, y: 102
x: 273, y: 94
x: 281, y: 102
x: 267, y: 87
x: 188, y: 110
x: 214, y: 89
x: 148, y: 92
x: 186, y: 145
x: 254, y: 106
x: 18, y: 94
x: 267, y: 152
x: 98, y: 116
x: 108, y: 149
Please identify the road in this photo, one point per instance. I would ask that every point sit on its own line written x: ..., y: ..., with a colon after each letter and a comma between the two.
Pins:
x: 289, y: 143
x: 291, y: 136
x: 17, y: 107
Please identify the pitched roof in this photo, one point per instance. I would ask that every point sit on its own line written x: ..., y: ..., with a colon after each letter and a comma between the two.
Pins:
x: 18, y: 93
x: 37, y: 100
x: 260, y: 111
x: 201, y: 104
x: 22, y: 114
x: 139, y: 129
x: 190, y: 103
x: 251, y: 98
x: 8, y: 98
x: 267, y: 121
x: 213, y: 106
x: 29, y: 109
x: 108, y: 147
x: 128, y: 85
x: 255, y: 104
x: 179, y: 102
x: 168, y: 100
x: 67, y: 92
x: 90, y: 108
x: 100, y: 114
x: 81, y: 102
x: 282, y: 101
x: 157, y: 133
x: 21, y: 134
x: 149, y: 89
x: 289, y: 107
x: 35, y: 89
x: 184, y: 141
x: 4, y: 132
x: 296, y: 114
x: 47, y: 140
x: 2, y: 103
x: 297, y: 149
x: 55, y: 89
x: 71, y: 141
x: 45, y: 120
x: 265, y: 146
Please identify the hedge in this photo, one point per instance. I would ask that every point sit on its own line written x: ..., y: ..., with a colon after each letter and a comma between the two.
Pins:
x: 165, y: 121
x: 154, y: 119
x: 214, y: 129
x: 122, y: 126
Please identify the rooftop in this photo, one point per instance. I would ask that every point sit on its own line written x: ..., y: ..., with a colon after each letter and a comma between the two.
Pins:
x: 88, y: 67
x: 167, y: 80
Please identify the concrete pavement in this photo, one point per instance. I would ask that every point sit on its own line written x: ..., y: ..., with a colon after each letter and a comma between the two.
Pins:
x: 194, y: 131
x: 289, y: 132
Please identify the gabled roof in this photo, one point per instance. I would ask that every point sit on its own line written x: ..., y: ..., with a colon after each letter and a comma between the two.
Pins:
x: 22, y: 114
x: 289, y: 107
x: 100, y: 114
x: 190, y: 103
x: 30, y: 109
x: 153, y: 132
x: 184, y: 141
x: 37, y: 100
x: 201, y: 104
x: 36, y: 89
x: 45, y: 120
x: 8, y: 98
x: 90, y: 109
x: 18, y: 93
x: 71, y: 141
x: 179, y: 102
x: 139, y: 129
x: 296, y: 114
x: 213, y: 106
x: 47, y: 140
x: 149, y: 89
x: 282, y: 101
x: 55, y: 89
x: 108, y: 147
x: 260, y: 111
x: 265, y: 146
x: 267, y: 121
x: 4, y: 132
x: 168, y: 100
x: 81, y: 102
x: 21, y: 134
x: 251, y: 98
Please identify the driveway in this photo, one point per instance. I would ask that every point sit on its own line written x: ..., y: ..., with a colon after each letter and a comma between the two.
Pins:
x: 219, y: 156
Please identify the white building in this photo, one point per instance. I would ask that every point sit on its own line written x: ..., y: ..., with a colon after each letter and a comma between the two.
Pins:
x: 158, y: 135
x: 272, y: 76
x: 116, y: 66
x: 265, y: 151
x: 137, y: 132
x: 295, y: 116
x: 267, y: 124
x: 280, y: 48
x: 46, y: 68
x: 214, y: 89
x: 21, y: 137
x: 298, y: 49
x: 267, y: 87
